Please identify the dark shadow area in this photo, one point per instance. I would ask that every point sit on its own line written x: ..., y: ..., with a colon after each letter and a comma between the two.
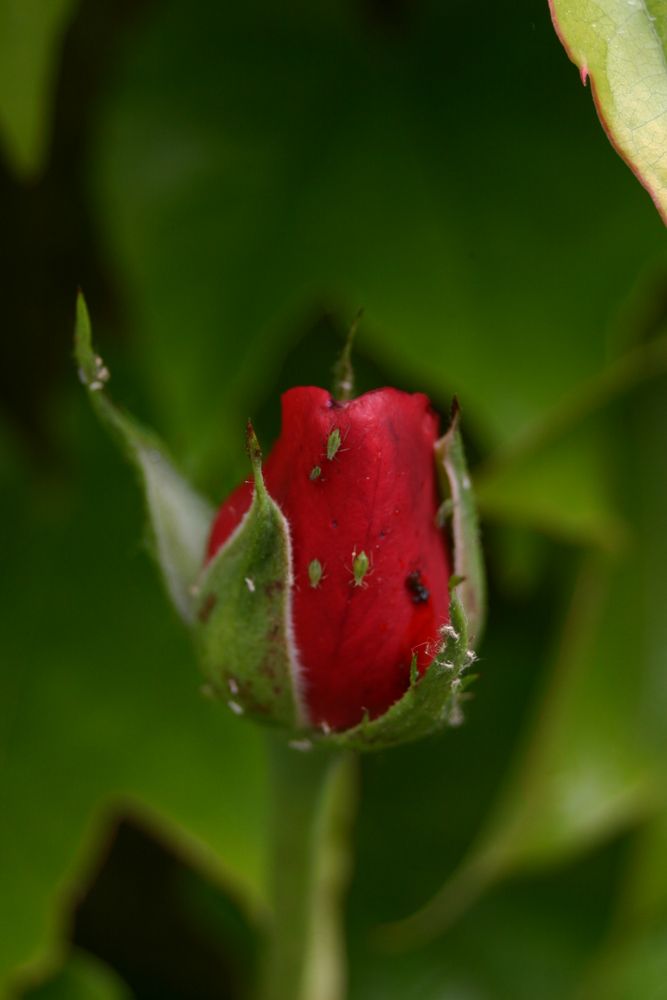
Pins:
x: 167, y: 931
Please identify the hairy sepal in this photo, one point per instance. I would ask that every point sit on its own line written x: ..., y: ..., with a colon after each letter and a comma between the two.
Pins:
x: 243, y: 623
x: 433, y: 700
x: 459, y: 502
x: 179, y: 518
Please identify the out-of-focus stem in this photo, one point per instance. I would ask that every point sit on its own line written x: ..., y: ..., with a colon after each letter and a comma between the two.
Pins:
x: 314, y: 799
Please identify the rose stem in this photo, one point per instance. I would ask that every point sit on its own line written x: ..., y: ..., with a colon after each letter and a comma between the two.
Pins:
x: 314, y: 800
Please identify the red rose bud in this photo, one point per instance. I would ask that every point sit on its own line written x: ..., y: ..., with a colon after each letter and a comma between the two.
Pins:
x: 326, y: 595
x: 330, y: 602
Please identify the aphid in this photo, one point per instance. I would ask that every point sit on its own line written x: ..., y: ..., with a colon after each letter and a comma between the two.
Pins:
x: 360, y: 566
x: 419, y: 593
x: 315, y: 473
x: 315, y: 573
x: 333, y: 444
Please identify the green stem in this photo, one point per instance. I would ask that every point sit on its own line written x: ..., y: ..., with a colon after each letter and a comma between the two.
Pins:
x: 314, y: 798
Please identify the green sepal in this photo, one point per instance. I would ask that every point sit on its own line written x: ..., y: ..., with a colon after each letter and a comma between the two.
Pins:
x: 179, y: 518
x: 243, y: 625
x: 459, y: 510
x: 432, y: 701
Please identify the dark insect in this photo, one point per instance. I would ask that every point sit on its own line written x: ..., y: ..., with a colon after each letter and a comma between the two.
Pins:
x: 418, y: 591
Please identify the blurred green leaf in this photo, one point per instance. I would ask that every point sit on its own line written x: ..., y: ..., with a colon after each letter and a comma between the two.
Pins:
x: 621, y: 46
x: 561, y: 489
x: 556, y: 476
x: 83, y: 977
x: 531, y: 937
x: 31, y: 35
x: 101, y: 712
x: 633, y: 964
x: 581, y: 774
x: 595, y: 759
x: 637, y: 968
x: 275, y: 163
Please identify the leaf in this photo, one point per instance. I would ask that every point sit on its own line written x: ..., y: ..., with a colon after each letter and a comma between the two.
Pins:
x: 83, y: 977
x: 560, y: 489
x: 101, y: 713
x: 31, y: 35
x: 632, y: 962
x: 180, y: 519
x: 555, y: 477
x: 529, y: 938
x: 621, y: 46
x: 465, y: 301
x: 581, y: 772
x: 594, y: 760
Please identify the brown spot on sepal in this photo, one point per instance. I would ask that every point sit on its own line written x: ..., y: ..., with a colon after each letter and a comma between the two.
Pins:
x: 274, y: 587
x: 207, y: 607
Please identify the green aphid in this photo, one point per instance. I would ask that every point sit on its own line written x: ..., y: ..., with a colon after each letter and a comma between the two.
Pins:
x: 315, y: 473
x: 333, y: 444
x: 360, y: 567
x: 315, y: 573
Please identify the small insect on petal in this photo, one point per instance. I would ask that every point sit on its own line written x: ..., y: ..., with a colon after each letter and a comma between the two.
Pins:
x: 315, y: 573
x: 415, y: 584
x: 333, y: 444
x: 315, y: 473
x: 360, y: 567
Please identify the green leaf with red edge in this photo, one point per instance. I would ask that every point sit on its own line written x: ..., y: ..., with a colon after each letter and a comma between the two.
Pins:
x: 620, y: 46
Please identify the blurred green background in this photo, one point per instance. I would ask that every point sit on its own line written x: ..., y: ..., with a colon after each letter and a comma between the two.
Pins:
x: 228, y: 184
